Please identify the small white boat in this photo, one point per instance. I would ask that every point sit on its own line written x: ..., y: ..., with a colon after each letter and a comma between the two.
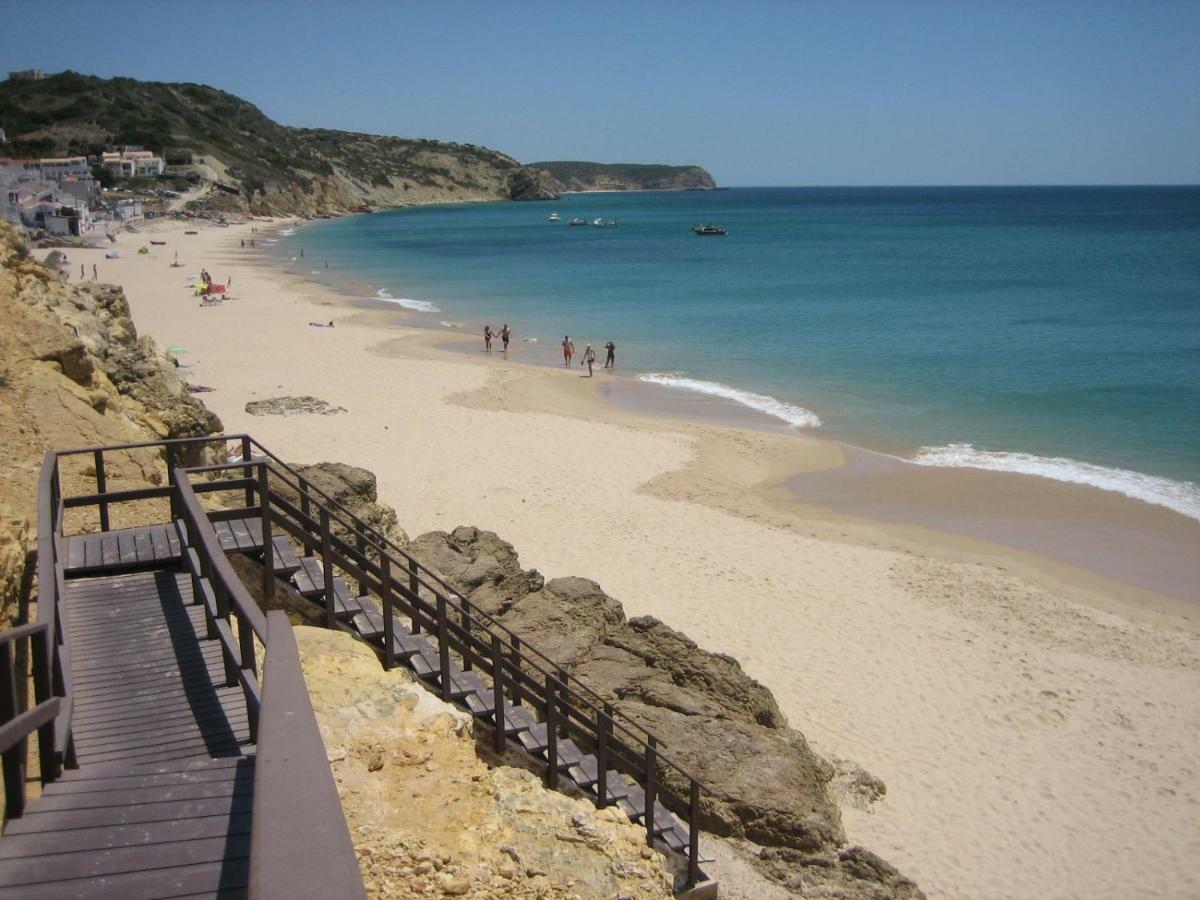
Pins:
x: 577, y: 222
x: 555, y: 217
x: 604, y: 223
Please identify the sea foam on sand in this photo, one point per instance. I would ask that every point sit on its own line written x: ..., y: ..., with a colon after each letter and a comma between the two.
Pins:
x: 796, y: 416
x: 419, y: 305
x: 1181, y: 496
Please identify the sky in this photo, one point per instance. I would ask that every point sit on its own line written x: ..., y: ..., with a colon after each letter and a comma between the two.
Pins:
x: 759, y: 93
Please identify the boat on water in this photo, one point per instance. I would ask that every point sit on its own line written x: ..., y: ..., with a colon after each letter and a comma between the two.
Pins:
x: 604, y: 223
x: 577, y: 222
x: 555, y: 217
x: 708, y: 229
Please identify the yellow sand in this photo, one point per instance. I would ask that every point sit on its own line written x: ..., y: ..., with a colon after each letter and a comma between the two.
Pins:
x: 1038, y: 727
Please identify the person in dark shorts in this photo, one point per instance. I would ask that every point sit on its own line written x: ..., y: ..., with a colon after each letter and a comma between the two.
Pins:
x: 610, y: 360
x: 568, y: 349
x: 505, y: 336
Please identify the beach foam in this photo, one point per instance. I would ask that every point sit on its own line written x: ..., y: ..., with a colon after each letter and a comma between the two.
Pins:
x: 796, y: 416
x: 288, y: 231
x: 1181, y: 496
x: 419, y: 305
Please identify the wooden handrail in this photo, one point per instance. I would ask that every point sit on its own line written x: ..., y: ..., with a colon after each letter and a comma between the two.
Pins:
x: 293, y: 783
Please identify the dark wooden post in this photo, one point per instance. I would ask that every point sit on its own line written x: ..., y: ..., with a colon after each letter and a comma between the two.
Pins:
x: 498, y: 690
x: 516, y: 662
x: 415, y: 587
x: 42, y: 646
x: 385, y: 600
x: 101, y: 488
x: 327, y: 571
x: 466, y: 625
x: 651, y: 774
x: 551, y: 734
x: 175, y: 513
x: 361, y: 545
x: 14, y: 757
x: 694, y: 836
x: 603, y: 729
x: 443, y: 647
x: 309, y: 549
x: 247, y: 472
x: 268, y: 576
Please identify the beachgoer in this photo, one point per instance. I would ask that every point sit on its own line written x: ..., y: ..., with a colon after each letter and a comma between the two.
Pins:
x: 81, y: 275
x: 589, y: 357
x: 568, y: 350
x: 487, y: 338
x: 302, y: 253
x: 327, y: 264
x: 95, y: 274
x: 610, y: 361
x: 229, y: 282
x: 505, y: 336
x: 243, y: 243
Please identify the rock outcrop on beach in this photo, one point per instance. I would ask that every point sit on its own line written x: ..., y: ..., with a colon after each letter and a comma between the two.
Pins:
x: 293, y: 406
x: 591, y: 176
x: 765, y: 784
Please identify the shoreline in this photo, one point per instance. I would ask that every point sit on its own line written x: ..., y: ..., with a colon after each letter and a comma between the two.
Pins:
x: 925, y: 656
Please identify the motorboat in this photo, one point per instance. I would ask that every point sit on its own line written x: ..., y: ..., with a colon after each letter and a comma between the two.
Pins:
x: 577, y: 222
x: 555, y: 217
x: 708, y: 229
x: 604, y: 223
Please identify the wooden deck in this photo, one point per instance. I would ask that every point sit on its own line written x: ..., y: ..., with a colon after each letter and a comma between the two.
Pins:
x: 160, y: 804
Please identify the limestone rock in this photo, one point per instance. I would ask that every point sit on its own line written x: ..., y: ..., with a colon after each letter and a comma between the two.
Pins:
x: 355, y: 489
x: 479, y: 564
x: 14, y: 551
x: 529, y: 183
x: 292, y: 406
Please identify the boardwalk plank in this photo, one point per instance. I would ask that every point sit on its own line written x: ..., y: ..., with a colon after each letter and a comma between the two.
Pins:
x: 127, y: 546
x: 111, y: 551
x: 158, y: 536
x: 144, y: 545
x: 76, y: 545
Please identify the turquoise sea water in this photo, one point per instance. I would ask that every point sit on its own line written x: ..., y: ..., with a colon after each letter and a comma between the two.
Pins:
x: 1047, y: 330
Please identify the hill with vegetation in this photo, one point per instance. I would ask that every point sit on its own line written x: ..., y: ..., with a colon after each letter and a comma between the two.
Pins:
x: 590, y: 176
x: 265, y: 167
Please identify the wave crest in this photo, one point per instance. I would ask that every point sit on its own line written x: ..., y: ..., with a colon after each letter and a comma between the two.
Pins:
x: 796, y: 416
x: 1181, y: 496
x: 419, y: 305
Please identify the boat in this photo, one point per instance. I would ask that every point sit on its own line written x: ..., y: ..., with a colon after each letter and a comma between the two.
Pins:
x: 708, y: 229
x: 555, y: 217
x: 577, y: 222
x: 604, y: 223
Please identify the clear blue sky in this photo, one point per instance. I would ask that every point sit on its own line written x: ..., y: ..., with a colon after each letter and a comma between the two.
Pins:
x: 830, y: 93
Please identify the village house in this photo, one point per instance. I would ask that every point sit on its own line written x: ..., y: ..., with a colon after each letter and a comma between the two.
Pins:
x: 132, y: 163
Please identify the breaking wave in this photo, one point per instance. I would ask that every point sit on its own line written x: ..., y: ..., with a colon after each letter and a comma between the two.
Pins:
x: 418, y: 305
x: 1181, y: 496
x: 796, y: 416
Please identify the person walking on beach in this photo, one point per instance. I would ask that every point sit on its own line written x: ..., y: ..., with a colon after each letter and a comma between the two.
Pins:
x: 487, y: 338
x: 610, y: 360
x: 505, y: 336
x: 81, y: 275
x: 589, y: 357
x: 568, y: 349
x: 95, y: 274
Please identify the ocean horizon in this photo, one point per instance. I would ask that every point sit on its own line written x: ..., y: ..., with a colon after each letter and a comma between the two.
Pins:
x: 1049, y: 330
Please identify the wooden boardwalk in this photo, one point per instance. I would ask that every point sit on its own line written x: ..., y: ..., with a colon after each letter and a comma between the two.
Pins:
x: 160, y: 803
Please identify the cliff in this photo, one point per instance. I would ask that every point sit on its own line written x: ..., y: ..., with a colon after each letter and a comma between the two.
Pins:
x: 590, y: 176
x: 271, y: 167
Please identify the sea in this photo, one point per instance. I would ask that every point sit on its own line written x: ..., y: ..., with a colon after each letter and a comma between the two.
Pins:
x: 1048, y: 330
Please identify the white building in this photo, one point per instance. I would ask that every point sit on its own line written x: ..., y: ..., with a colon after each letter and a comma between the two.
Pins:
x: 132, y: 163
x: 64, y: 167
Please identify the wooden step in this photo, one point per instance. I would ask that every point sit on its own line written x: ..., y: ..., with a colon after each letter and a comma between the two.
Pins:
x: 309, y: 580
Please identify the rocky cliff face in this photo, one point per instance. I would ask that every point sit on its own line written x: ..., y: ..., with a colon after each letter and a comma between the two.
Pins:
x: 427, y: 816
x: 765, y: 784
x: 589, y: 176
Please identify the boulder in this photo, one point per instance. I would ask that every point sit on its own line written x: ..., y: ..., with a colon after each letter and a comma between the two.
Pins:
x: 292, y: 406
x: 566, y: 620
x: 478, y: 564
x: 530, y: 183
x: 353, y: 488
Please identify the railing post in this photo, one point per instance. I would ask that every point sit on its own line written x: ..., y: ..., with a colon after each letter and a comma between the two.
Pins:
x: 651, y: 775
x: 361, y: 545
x: 14, y: 757
x: 248, y: 471
x: 385, y: 600
x: 101, y: 487
x: 551, y: 734
x: 694, y: 836
x: 498, y: 691
x: 516, y: 662
x: 42, y: 653
x: 443, y: 647
x: 175, y: 513
x: 466, y: 625
x: 327, y: 571
x: 231, y: 669
x: 264, y: 501
x: 604, y: 727
x: 415, y: 587
x: 309, y: 549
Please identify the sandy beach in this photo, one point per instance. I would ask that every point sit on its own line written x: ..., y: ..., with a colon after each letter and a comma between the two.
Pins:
x: 1029, y: 697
